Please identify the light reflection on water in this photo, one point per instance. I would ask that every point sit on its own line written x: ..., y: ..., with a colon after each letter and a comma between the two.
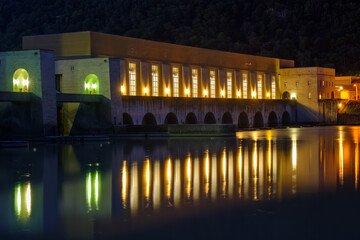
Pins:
x: 137, y: 178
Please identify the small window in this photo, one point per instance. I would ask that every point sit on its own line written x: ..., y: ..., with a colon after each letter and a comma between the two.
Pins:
x: 297, y: 84
x: 308, y: 83
x: 72, y: 68
x: 332, y: 84
x: 309, y: 95
x: 285, y: 83
x: 58, y: 78
x: 323, y: 83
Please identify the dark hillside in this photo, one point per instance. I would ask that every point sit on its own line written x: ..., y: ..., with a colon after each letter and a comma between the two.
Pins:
x: 311, y: 32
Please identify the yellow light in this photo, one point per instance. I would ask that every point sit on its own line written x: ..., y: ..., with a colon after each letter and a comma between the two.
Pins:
x: 26, y: 82
x: 238, y: 93
x: 340, y: 105
x: 222, y: 93
x: 87, y: 85
x: 354, y: 85
x: 146, y: 90
x: 319, y: 96
x: 293, y: 96
x: 94, y: 86
x: 187, y: 91
x: 167, y: 91
x: 205, y: 92
x: 341, y: 87
x: 268, y: 95
x: 253, y: 94
x: 122, y: 89
x: 16, y: 81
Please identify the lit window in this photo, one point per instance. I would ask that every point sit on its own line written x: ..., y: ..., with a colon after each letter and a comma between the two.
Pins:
x: 175, y: 81
x: 132, y: 77
x: 273, y: 87
x: 229, y: 84
x: 323, y: 83
x: 91, y: 84
x: 21, y: 80
x: 309, y: 95
x: 259, y: 86
x: 297, y: 84
x: 244, y: 85
x: 195, y: 83
x: 155, y: 80
x: 212, y: 84
x: 308, y: 83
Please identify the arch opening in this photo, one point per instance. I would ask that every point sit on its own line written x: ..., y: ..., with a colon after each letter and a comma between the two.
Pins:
x: 272, y: 120
x: 227, y: 118
x: 149, y: 120
x: 171, y: 119
x: 91, y: 84
x: 127, y: 119
x: 21, y: 80
x: 243, y: 121
x: 258, y: 120
x: 286, y: 95
x: 285, y: 119
x: 191, y: 118
x: 209, y: 118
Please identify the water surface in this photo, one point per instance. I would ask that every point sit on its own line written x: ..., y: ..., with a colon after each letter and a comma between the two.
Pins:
x: 97, y: 189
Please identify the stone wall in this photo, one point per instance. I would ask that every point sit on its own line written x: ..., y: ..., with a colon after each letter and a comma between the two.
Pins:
x: 137, y: 107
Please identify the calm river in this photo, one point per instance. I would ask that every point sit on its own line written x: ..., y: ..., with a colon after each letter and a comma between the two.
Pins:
x: 100, y: 189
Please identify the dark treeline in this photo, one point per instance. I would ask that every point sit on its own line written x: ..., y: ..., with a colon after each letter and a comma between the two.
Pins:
x: 312, y: 32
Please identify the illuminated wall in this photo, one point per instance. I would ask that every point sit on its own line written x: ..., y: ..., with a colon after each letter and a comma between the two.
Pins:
x: 75, y: 74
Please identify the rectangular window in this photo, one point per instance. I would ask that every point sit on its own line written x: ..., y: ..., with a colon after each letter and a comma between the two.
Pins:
x: 273, y: 87
x: 194, y: 82
x: 58, y: 78
x: 132, y: 79
x: 244, y: 85
x: 259, y: 86
x: 155, y: 80
x: 212, y: 84
x: 229, y: 84
x: 175, y: 72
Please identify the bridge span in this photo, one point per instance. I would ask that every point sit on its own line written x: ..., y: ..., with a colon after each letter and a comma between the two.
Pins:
x: 244, y: 113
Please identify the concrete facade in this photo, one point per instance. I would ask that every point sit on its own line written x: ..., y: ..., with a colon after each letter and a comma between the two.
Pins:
x: 309, y: 86
x: 41, y: 116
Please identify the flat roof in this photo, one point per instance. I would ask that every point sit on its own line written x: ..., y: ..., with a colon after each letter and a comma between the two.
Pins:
x: 95, y: 44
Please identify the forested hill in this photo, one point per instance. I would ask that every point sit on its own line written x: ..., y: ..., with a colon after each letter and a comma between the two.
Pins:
x: 311, y: 32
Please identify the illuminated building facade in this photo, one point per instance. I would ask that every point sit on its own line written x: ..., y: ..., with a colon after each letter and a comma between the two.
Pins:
x: 90, y: 76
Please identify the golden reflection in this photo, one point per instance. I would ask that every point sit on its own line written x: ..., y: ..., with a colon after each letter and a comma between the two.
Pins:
x: 196, y: 179
x: 134, y: 186
x: 356, y: 164
x: 260, y: 170
x: 341, y: 159
x: 240, y: 171
x: 157, y: 185
x: 223, y: 190
x: 147, y: 181
x: 231, y: 175
x: 22, y: 203
x: 213, y: 177
x: 274, y: 169
x: 168, y: 180
x: 294, y: 164
x: 255, y: 170
x: 269, y: 169
x: 246, y: 172
x: 188, y: 178
x: 124, y: 184
x: 177, y: 183
x: 207, y: 173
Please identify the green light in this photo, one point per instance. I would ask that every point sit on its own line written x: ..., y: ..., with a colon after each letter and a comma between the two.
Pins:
x: 21, y: 80
x: 91, y: 84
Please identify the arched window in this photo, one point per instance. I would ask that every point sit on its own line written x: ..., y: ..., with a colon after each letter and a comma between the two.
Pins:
x: 91, y: 84
x: 21, y: 81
